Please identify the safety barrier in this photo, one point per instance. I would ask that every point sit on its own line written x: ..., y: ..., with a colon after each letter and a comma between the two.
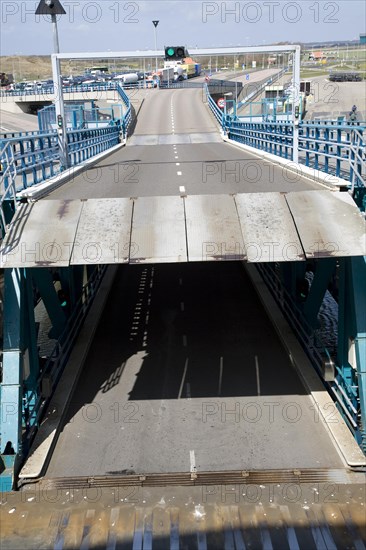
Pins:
x: 332, y: 147
x: 80, y: 88
x: 127, y: 119
x: 78, y: 117
x: 275, y: 138
x: 181, y: 84
x: 218, y: 113
x: 33, y: 157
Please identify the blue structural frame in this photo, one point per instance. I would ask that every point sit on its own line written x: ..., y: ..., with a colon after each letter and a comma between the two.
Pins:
x: 301, y: 302
x: 28, y: 382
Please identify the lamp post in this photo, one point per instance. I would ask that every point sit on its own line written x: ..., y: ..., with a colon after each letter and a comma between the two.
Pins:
x: 54, y: 8
x: 156, y: 23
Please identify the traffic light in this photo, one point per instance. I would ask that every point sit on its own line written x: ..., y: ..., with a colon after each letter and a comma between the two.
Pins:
x: 175, y: 52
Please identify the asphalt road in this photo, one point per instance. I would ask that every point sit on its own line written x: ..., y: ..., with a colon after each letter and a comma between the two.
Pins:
x: 186, y: 373
x: 14, y: 122
x: 177, y: 143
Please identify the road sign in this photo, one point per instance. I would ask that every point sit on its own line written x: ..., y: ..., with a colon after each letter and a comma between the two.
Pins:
x: 50, y: 7
x: 221, y: 102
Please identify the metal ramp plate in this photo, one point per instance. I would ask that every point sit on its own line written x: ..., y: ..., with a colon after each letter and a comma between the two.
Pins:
x: 104, y: 232
x: 213, y: 228
x: 256, y: 227
x: 329, y: 225
x: 41, y: 234
x: 158, y: 230
x: 268, y: 229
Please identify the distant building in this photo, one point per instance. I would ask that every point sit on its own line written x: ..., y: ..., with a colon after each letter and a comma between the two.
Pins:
x: 362, y: 38
x: 317, y: 56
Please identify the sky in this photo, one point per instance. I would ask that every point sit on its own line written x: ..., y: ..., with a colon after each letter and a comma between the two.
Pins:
x: 116, y: 25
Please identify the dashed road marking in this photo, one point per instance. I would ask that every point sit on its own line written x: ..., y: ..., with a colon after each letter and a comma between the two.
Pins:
x: 183, y: 379
x: 257, y: 374
x: 188, y: 390
x: 192, y: 460
x: 220, y: 375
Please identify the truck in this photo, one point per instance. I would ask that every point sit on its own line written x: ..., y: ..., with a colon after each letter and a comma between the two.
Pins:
x: 167, y: 74
x: 184, y: 69
x: 190, y: 69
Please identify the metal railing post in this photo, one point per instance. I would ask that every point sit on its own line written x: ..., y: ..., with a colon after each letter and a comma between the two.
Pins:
x: 60, y: 112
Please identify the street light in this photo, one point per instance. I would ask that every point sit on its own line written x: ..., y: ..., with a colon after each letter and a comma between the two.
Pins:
x: 156, y: 23
x: 54, y: 8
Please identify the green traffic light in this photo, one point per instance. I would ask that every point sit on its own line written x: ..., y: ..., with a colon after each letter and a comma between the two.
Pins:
x: 170, y: 51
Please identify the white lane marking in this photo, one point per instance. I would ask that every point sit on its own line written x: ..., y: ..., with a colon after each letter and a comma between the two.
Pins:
x: 185, y: 340
x: 177, y: 164
x: 183, y: 379
x: 257, y: 374
x: 220, y: 375
x: 176, y: 157
x: 5, y: 129
x: 182, y: 306
x: 192, y: 460
x: 179, y: 173
x: 182, y: 189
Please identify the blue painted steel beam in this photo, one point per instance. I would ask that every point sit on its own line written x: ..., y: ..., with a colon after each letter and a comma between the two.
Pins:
x: 352, y: 331
x: 323, y: 272
x: 44, y: 282
x: 20, y: 367
x: 358, y: 268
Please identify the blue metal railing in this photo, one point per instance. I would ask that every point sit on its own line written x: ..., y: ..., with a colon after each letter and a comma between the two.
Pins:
x: 128, y: 114
x: 84, y: 144
x: 334, y: 148
x: 330, y: 146
x: 80, y: 88
x: 218, y: 113
x: 31, y: 158
x: 35, y: 158
x: 78, y: 117
x: 275, y: 138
